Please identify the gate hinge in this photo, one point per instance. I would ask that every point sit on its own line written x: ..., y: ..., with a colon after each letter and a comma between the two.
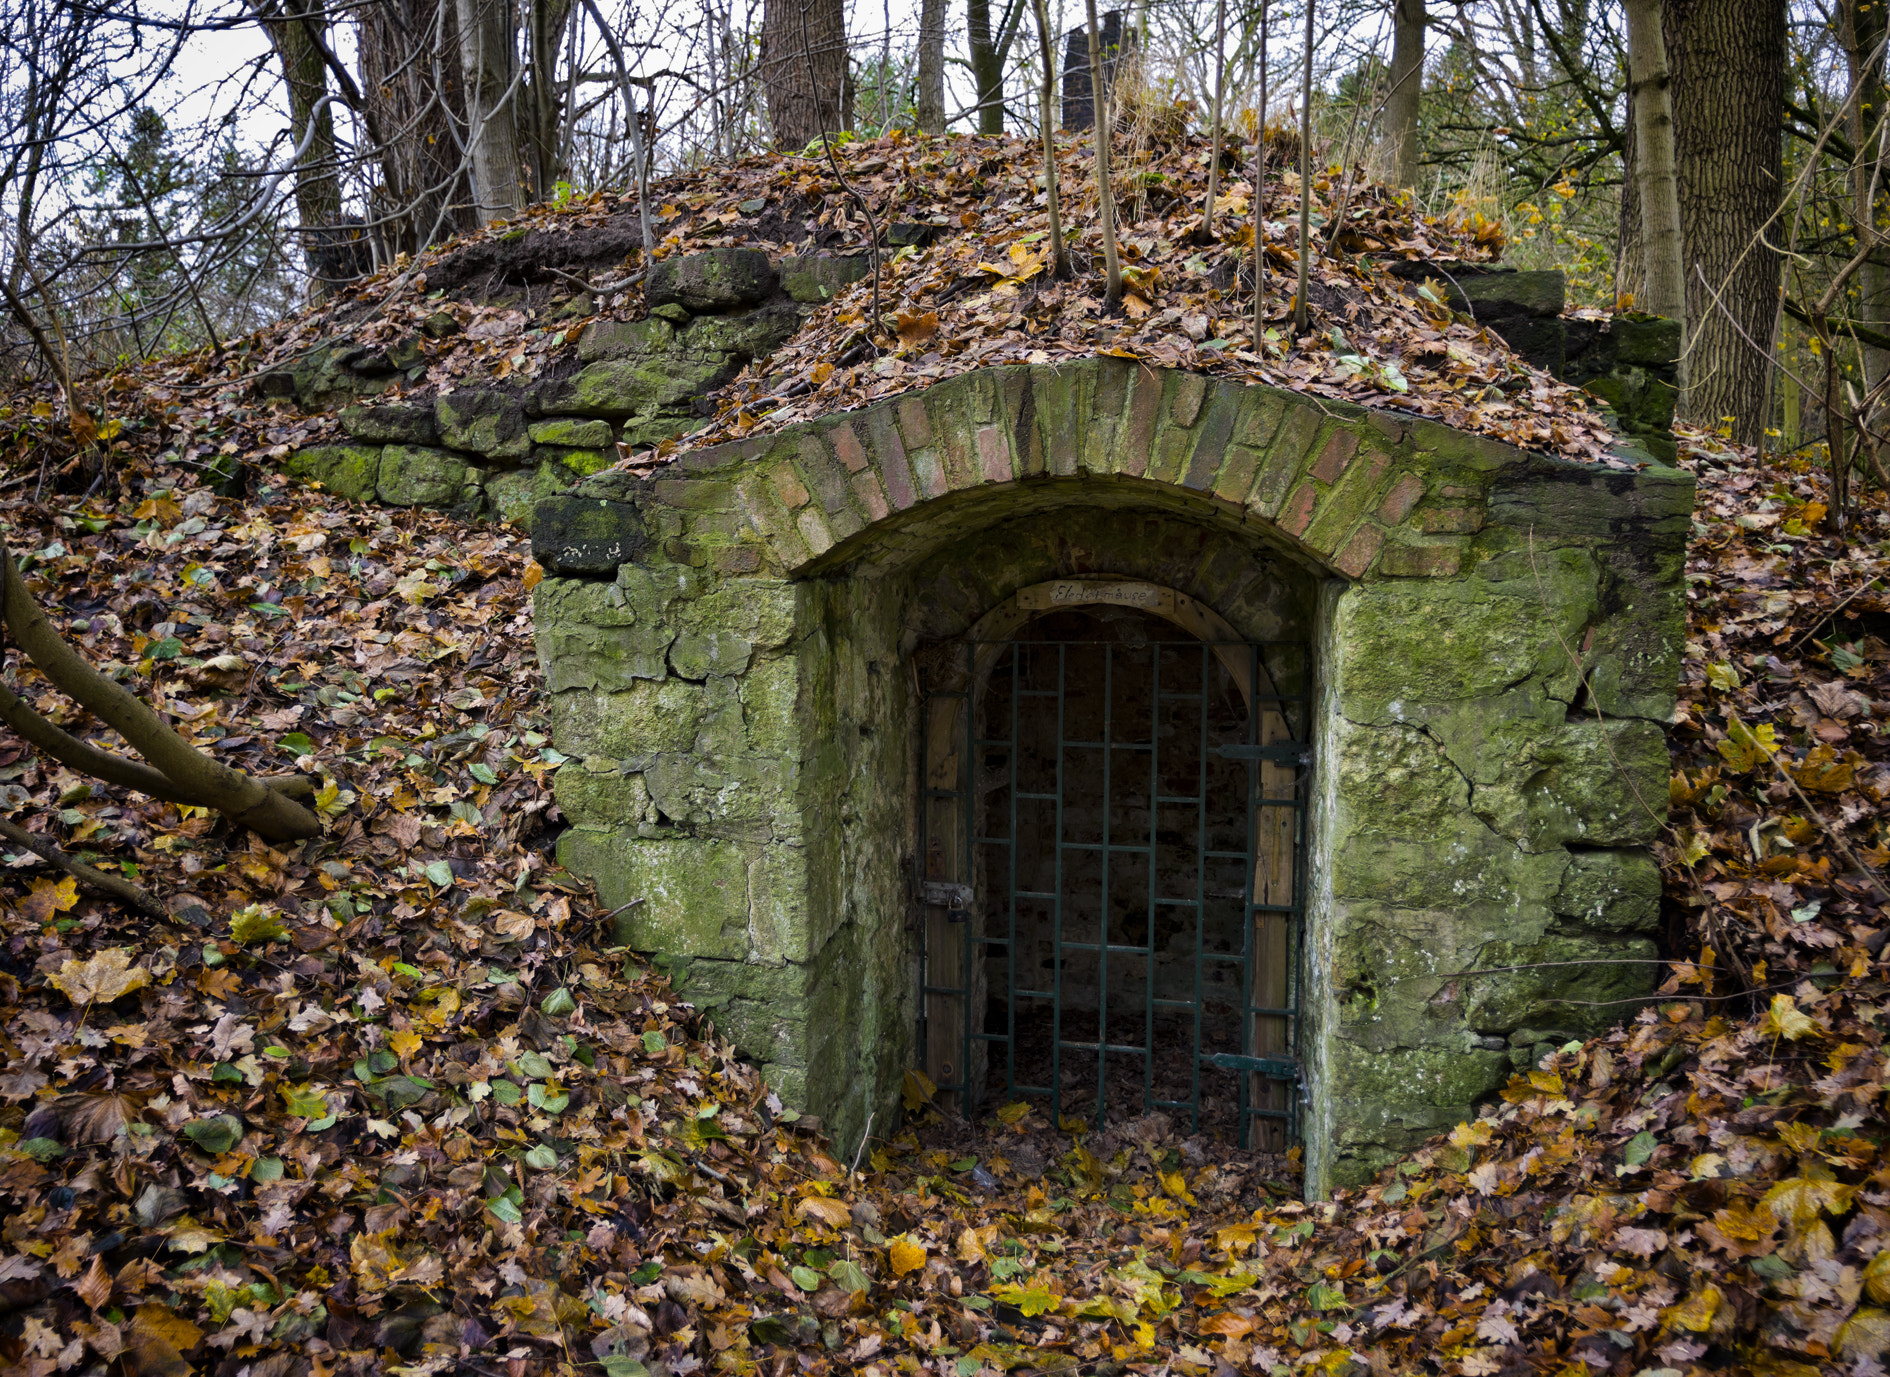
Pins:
x: 1273, y: 1068
x: 1291, y: 753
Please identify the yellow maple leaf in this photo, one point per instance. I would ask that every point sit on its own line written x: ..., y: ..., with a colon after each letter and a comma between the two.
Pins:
x: 1877, y: 1276
x: 534, y: 575
x: 1696, y: 1311
x: 104, y: 978
x: 159, y: 1321
x: 405, y: 1042
x: 49, y: 896
x: 1785, y: 1020
x: 375, y: 1260
x: 908, y: 1256
x: 1866, y: 1333
x: 1799, y: 1201
x: 1469, y: 1135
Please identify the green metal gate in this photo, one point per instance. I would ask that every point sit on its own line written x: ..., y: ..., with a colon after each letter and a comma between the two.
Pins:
x: 1111, y: 875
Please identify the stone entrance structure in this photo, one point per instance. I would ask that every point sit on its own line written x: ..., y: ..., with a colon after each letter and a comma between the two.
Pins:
x: 749, y: 654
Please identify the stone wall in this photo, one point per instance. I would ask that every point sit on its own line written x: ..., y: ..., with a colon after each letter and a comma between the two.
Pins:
x: 1630, y: 361
x: 730, y: 647
x: 496, y: 450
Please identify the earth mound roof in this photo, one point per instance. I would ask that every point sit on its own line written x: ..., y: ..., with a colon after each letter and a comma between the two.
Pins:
x: 965, y: 281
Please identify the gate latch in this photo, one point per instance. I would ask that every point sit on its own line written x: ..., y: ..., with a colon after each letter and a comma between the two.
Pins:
x: 955, y: 899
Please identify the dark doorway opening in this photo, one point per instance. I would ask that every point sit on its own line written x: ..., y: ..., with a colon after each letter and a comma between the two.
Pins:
x: 1113, y: 817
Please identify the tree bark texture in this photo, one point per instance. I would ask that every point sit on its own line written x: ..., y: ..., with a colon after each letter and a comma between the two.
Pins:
x: 293, y: 28
x: 486, y: 42
x: 804, y: 70
x: 1628, y: 264
x: 1407, y: 86
x: 1727, y: 59
x: 1046, y: 123
x: 987, y: 66
x: 1863, y: 33
x: 413, y: 84
x: 930, y: 101
x: 542, y: 124
x: 1658, y: 193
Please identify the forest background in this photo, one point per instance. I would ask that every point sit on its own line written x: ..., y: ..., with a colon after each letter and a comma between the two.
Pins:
x: 176, y: 174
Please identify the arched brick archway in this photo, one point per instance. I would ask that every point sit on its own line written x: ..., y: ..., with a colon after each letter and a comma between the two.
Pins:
x: 1496, y: 634
x: 1335, y: 484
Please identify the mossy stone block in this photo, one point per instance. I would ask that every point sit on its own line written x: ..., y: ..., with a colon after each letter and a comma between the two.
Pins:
x: 698, y: 655
x: 588, y: 638
x: 622, y: 339
x: 814, y: 279
x: 748, y: 335
x: 391, y: 424
x: 694, y: 892
x: 486, y: 423
x: 621, y: 388
x: 514, y: 495
x: 585, y: 536
x: 414, y: 476
x: 719, y: 280
x: 632, y: 725
x: 350, y: 470
x: 571, y: 432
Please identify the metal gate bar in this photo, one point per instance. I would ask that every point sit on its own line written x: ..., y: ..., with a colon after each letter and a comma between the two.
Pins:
x: 956, y: 809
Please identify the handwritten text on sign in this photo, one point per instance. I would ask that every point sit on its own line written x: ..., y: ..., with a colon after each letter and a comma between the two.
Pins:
x: 1079, y: 592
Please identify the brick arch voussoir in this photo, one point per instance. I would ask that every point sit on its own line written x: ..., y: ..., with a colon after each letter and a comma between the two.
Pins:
x: 1354, y: 491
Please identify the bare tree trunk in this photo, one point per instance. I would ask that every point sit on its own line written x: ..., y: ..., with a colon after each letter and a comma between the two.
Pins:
x: 486, y: 40
x: 1260, y: 196
x: 1220, y: 91
x: 294, y: 28
x: 545, y: 30
x: 1863, y: 34
x: 1652, y: 133
x: 268, y: 811
x: 987, y: 66
x: 931, y: 93
x: 1629, y: 267
x: 411, y: 83
x: 1302, y: 314
x: 1407, y: 85
x: 807, y: 97
x: 1047, y: 119
x: 1105, y: 189
x: 1727, y: 58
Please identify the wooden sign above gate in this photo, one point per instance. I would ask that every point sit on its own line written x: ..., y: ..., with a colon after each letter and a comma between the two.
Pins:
x: 1150, y: 597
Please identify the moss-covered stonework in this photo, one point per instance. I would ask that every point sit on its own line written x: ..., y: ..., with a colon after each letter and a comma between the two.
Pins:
x: 731, y: 645
x: 493, y: 451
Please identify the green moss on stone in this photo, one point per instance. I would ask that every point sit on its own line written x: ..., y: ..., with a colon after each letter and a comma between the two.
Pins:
x: 694, y: 892
x: 350, y: 470
x: 411, y: 476
x: 571, y: 432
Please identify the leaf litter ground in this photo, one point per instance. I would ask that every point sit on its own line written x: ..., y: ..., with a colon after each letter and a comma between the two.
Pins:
x: 388, y: 1102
